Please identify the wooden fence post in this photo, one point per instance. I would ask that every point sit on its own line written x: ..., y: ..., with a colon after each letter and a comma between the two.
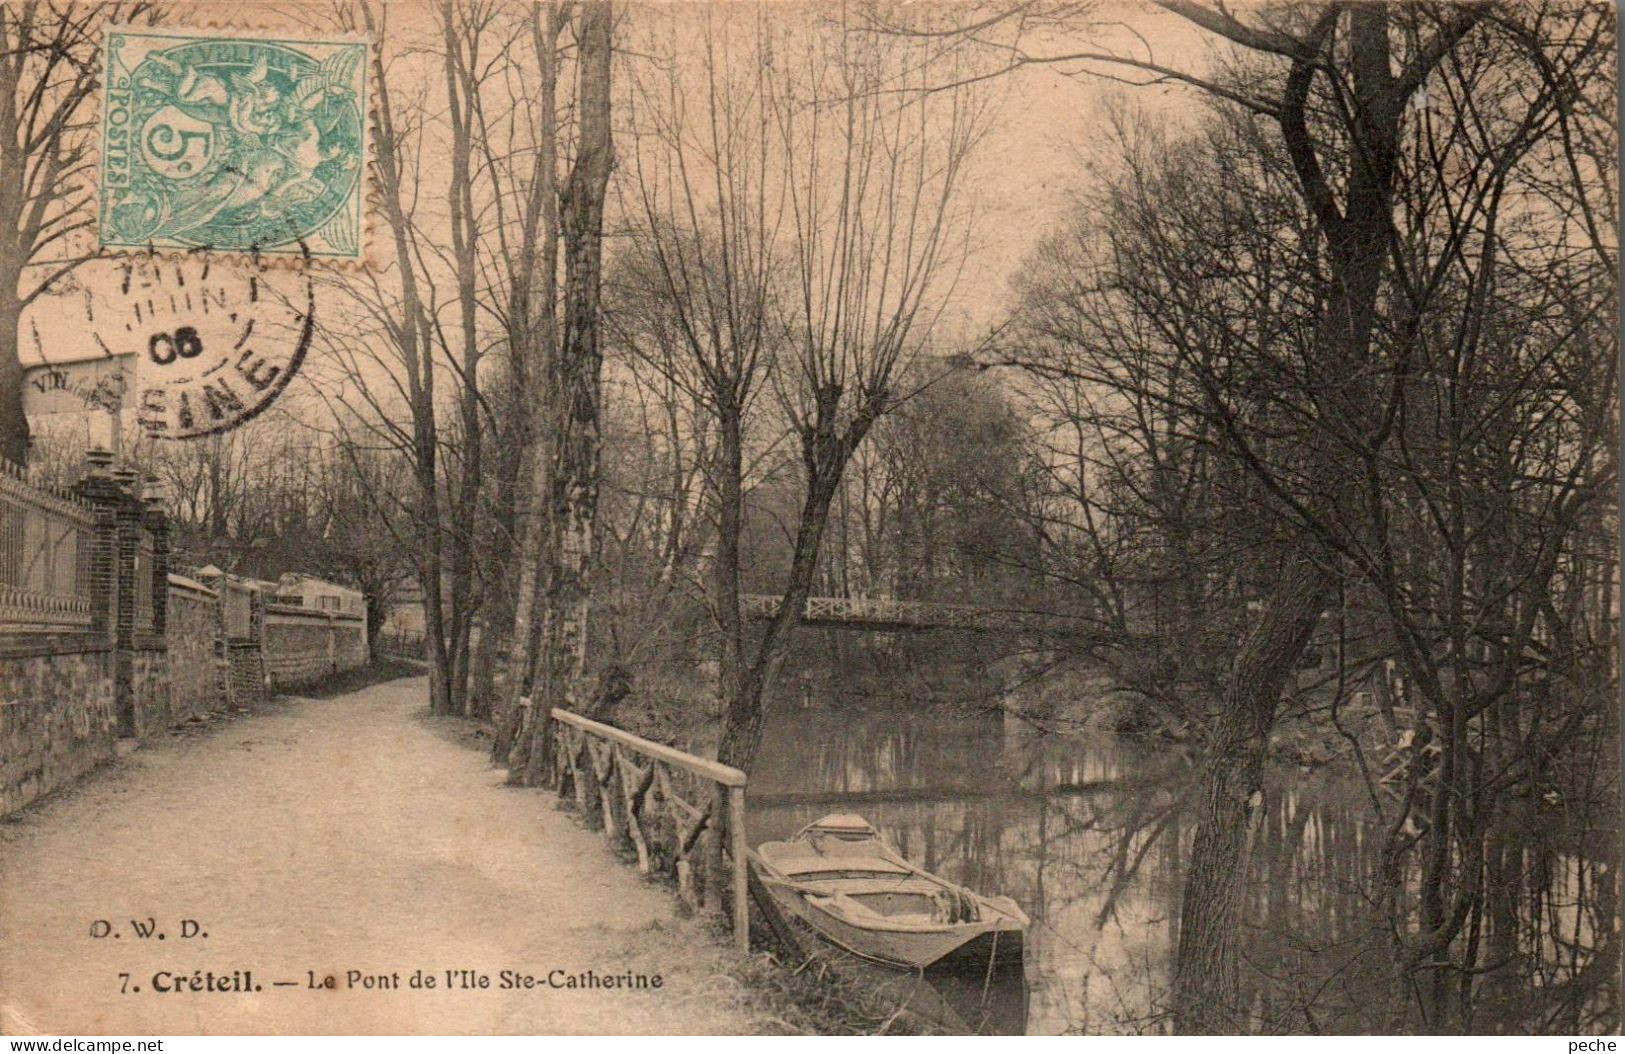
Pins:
x: 736, y: 838
x: 715, y: 874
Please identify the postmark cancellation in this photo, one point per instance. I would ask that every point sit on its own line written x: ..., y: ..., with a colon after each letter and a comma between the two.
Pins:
x: 230, y: 142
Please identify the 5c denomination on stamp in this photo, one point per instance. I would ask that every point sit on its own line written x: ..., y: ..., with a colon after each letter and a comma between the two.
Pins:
x: 230, y: 142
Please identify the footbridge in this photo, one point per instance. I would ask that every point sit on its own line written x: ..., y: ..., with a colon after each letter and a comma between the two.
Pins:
x: 885, y: 614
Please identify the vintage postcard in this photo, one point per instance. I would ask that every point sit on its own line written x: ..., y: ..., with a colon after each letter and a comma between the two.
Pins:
x: 979, y: 517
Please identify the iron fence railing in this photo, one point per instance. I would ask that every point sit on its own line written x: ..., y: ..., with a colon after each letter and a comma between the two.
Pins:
x: 46, y: 539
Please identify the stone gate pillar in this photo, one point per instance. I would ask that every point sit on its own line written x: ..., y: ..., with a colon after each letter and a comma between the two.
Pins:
x: 97, y: 488
x: 156, y: 522
x: 119, y: 526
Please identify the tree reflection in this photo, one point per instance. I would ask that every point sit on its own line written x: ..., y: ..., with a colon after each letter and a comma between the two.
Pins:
x: 1091, y: 836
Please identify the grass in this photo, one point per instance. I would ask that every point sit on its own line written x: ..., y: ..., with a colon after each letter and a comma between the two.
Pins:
x: 817, y: 997
x: 382, y: 668
x: 778, y: 991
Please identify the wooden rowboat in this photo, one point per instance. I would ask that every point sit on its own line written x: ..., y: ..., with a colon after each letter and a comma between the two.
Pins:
x: 852, y: 890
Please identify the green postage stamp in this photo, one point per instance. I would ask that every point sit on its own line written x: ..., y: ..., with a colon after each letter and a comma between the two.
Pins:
x: 232, y: 142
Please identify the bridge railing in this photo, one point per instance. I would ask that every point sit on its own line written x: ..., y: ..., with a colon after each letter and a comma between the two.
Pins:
x: 887, y: 612
x: 873, y: 609
x: 670, y: 808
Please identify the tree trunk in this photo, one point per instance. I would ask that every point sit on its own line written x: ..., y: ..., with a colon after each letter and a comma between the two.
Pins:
x: 726, y: 571
x: 462, y: 89
x: 434, y: 627
x: 579, y: 366
x: 412, y: 331
x: 826, y: 454
x: 376, y: 614
x: 535, y: 334
x: 742, y: 719
x: 13, y: 422
x: 1206, y: 977
x: 1206, y: 983
x: 13, y: 169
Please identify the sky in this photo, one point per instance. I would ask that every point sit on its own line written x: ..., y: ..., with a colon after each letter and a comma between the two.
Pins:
x: 1032, y: 170
x: 1025, y: 176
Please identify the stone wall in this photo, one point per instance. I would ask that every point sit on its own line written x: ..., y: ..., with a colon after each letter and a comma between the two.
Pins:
x: 126, y: 649
x: 195, y: 667
x: 351, y: 642
x: 245, y: 673
x: 302, y: 645
x: 150, y: 686
x: 57, y: 717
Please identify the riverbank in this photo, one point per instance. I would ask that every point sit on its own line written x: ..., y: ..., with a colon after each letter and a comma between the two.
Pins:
x: 785, y: 996
x: 1075, y: 696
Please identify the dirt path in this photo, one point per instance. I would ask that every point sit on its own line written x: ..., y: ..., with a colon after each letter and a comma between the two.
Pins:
x: 323, y: 837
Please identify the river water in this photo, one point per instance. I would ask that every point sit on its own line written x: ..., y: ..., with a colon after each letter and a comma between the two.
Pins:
x: 1089, y: 834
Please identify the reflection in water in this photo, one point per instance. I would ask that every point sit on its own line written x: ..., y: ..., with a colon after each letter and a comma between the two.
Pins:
x: 1089, y: 833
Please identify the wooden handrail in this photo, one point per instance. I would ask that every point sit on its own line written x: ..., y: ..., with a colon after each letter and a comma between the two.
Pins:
x: 715, y: 771
x: 624, y: 790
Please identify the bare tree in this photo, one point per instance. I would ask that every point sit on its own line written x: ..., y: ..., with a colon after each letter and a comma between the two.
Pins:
x: 406, y: 355
x: 49, y: 58
x: 532, y: 326
x: 710, y: 208
x: 573, y: 384
x: 394, y: 337
x: 1334, y: 372
x: 873, y: 162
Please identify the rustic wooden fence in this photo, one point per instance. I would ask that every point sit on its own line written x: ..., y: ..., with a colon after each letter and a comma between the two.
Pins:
x: 684, y: 816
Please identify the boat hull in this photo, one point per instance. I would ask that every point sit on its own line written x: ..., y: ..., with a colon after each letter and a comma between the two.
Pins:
x: 1001, y: 947
x: 838, y: 879
x: 952, y: 946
